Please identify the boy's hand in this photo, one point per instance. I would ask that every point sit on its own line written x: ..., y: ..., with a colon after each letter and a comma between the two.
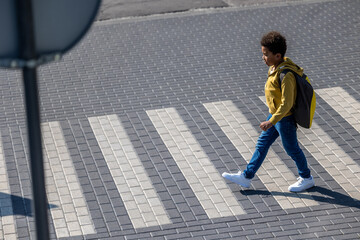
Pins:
x: 266, y: 125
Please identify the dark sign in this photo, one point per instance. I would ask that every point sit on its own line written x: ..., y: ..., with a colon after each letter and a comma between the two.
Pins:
x: 58, y: 26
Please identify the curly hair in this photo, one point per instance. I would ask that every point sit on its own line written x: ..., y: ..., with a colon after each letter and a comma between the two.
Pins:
x: 275, y: 42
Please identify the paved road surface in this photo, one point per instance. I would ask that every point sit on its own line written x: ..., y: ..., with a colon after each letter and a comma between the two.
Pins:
x: 143, y: 116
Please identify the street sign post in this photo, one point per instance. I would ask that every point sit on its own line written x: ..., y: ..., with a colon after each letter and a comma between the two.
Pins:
x: 36, y: 32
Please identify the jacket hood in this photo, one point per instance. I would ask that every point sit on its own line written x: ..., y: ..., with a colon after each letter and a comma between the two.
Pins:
x: 288, y: 64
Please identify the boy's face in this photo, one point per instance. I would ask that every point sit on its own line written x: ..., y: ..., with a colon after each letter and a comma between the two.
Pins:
x: 269, y: 58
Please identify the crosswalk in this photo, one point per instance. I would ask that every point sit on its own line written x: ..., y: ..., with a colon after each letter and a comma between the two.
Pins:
x: 71, y: 214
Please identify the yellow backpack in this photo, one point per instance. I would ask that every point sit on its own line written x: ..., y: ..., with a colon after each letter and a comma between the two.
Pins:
x: 305, y: 103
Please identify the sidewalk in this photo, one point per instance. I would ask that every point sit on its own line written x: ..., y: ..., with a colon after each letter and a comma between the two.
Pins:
x: 141, y: 119
x: 113, y: 9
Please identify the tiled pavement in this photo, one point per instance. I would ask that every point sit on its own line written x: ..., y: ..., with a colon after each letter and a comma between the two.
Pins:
x: 141, y: 119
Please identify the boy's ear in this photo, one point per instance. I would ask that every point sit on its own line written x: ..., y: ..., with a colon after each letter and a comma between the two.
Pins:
x: 278, y: 56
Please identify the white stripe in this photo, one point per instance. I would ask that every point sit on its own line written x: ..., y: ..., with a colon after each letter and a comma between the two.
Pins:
x: 133, y: 183
x: 346, y: 105
x: 71, y: 216
x: 332, y: 158
x: 7, y: 221
x: 330, y: 155
x: 205, y: 181
x: 274, y: 174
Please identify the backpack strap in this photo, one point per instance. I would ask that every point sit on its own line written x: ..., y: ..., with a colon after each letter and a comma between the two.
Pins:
x: 282, y: 75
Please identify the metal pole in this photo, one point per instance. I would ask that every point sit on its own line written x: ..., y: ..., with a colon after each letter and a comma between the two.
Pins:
x: 40, y: 204
x: 28, y: 50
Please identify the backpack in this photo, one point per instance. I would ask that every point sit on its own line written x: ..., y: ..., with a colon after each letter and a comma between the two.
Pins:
x: 305, y: 102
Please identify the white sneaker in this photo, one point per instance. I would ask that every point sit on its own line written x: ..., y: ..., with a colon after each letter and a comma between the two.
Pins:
x: 238, y: 178
x: 302, y: 184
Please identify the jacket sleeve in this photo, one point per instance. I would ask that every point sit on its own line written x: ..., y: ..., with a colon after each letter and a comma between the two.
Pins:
x: 288, y: 94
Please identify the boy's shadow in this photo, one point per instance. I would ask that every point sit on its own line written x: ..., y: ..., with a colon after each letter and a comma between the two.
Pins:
x: 332, y: 196
x: 15, y: 205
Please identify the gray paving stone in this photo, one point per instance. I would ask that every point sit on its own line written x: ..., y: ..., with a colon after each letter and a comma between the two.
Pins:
x: 332, y: 233
x: 347, y: 236
x: 148, y: 71
x: 238, y: 234
x: 286, y: 233
x: 353, y: 230
x: 178, y: 236
x: 304, y: 236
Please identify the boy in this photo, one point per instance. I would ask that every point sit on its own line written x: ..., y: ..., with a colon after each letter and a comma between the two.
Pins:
x: 280, y: 122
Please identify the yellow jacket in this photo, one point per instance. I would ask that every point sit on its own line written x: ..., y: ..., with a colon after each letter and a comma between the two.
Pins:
x: 281, y: 100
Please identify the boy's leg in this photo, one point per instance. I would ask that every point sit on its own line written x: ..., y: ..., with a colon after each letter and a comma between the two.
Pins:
x: 287, y: 130
x: 263, y: 144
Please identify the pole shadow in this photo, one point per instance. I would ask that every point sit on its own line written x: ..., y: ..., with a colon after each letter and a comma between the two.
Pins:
x: 328, y: 196
x: 15, y: 205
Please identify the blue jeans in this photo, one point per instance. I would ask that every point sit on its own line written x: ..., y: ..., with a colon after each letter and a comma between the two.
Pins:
x: 286, y: 128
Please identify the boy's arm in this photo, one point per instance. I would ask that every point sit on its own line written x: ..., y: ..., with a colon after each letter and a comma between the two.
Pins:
x: 288, y: 89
